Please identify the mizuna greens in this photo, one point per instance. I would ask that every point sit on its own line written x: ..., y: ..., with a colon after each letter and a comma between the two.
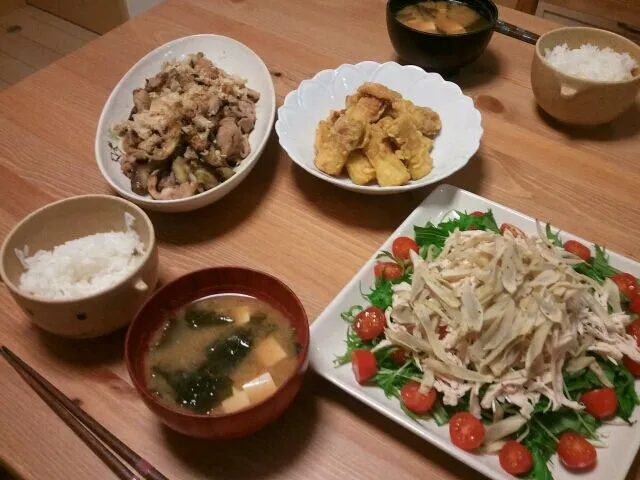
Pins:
x: 460, y: 316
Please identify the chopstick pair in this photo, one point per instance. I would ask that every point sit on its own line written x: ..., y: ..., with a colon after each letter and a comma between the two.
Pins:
x: 94, y: 435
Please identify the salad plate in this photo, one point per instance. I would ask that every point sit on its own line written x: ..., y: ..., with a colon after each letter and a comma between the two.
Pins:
x: 329, y: 332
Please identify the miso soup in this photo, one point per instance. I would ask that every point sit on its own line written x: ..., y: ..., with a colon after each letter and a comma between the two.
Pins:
x: 221, y: 354
x: 443, y: 17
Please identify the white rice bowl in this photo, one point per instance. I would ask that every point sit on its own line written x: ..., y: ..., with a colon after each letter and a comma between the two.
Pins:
x: 83, y: 266
x: 592, y: 63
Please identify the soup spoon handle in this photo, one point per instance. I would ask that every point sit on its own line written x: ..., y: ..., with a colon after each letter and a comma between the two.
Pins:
x: 516, y: 32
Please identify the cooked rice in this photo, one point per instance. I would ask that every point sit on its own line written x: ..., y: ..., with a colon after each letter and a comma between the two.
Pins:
x: 83, y: 266
x: 592, y: 63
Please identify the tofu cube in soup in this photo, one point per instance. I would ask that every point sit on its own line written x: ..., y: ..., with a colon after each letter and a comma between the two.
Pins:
x: 238, y: 401
x: 241, y: 314
x: 260, y: 387
x: 269, y: 352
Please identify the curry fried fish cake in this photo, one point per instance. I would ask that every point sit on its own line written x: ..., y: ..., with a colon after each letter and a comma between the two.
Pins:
x: 390, y: 171
x: 414, y: 148
x: 335, y: 140
x: 359, y: 168
x: 425, y: 119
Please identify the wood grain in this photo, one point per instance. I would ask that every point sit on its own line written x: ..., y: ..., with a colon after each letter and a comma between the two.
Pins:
x: 98, y: 16
x: 41, y: 40
x: 627, y: 11
x: 284, y: 221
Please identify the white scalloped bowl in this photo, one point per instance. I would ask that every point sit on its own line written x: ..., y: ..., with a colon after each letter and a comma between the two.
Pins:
x: 303, y: 108
x: 227, y: 53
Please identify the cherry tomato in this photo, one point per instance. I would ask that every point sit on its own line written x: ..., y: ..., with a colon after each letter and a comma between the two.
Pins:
x: 626, y: 283
x: 477, y: 213
x: 632, y: 366
x: 575, y: 452
x: 634, y: 306
x: 578, y: 249
x: 601, y: 402
x: 515, y: 458
x: 633, y: 329
x: 415, y: 400
x: 389, y: 270
x: 370, y: 323
x: 364, y: 365
x: 466, y: 431
x: 402, y: 246
x: 515, y: 231
x: 399, y: 356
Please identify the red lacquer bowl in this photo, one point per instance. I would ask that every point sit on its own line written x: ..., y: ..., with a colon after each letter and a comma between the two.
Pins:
x: 200, y: 284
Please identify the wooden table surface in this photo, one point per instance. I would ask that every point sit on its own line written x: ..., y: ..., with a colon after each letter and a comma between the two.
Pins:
x: 307, y: 232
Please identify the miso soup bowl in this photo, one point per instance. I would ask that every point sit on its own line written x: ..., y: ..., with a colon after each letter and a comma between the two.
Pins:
x: 435, y: 51
x: 191, y: 287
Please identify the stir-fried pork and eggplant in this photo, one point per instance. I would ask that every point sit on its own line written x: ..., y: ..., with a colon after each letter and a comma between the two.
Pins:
x: 188, y: 129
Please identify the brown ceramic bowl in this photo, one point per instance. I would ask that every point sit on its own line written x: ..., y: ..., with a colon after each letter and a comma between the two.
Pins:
x: 191, y: 287
x: 65, y: 220
x: 575, y: 100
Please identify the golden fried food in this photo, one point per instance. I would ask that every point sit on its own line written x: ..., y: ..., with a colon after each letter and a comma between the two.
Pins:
x: 366, y: 109
x: 334, y: 142
x: 378, y: 136
x: 359, y: 168
x: 390, y: 171
x: 425, y: 119
x: 414, y: 147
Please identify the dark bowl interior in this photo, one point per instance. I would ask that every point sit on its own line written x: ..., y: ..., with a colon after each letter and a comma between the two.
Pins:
x: 194, y: 286
x: 437, y: 52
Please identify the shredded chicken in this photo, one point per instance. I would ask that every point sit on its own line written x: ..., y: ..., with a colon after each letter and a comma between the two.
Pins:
x: 188, y: 129
x: 516, y: 314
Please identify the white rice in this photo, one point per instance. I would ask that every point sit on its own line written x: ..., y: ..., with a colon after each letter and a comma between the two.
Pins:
x: 591, y: 63
x: 83, y: 266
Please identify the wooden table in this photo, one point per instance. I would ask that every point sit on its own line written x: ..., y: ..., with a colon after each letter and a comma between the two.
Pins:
x: 284, y: 221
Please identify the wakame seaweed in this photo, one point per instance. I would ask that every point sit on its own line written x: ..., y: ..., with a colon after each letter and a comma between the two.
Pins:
x: 205, y: 387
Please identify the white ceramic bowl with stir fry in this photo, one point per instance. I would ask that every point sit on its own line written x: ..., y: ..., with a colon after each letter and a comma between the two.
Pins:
x: 229, y: 55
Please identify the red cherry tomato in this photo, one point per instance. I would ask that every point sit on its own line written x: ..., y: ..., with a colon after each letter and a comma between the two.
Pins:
x: 575, y: 452
x: 601, y: 402
x: 389, y: 270
x: 578, y: 249
x: 466, y: 431
x: 515, y: 458
x: 364, y: 365
x: 634, y: 306
x: 415, y: 400
x: 477, y: 213
x: 515, y: 231
x: 627, y: 284
x: 399, y: 356
x: 402, y: 246
x: 633, y: 367
x: 633, y: 329
x: 370, y: 323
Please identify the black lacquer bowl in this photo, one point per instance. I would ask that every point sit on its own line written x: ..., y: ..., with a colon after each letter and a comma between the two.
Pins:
x: 438, y: 52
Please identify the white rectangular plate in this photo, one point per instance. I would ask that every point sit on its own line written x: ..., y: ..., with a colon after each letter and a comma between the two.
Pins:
x: 328, y: 334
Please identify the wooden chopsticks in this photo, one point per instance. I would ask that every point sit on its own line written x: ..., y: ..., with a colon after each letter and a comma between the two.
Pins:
x: 89, y: 430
